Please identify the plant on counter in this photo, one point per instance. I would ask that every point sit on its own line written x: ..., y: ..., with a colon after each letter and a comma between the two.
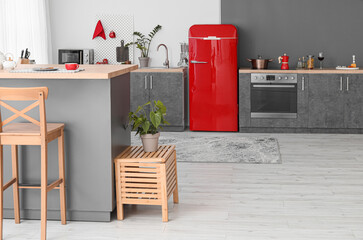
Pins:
x: 143, y: 44
x: 148, y: 125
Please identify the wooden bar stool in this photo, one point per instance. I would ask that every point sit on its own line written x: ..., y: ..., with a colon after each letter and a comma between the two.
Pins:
x: 33, y: 133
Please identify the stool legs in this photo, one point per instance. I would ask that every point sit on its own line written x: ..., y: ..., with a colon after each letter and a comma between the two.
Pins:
x: 14, y: 158
x: 43, y: 190
x: 175, y: 193
x: 164, y: 195
x: 120, y: 206
x: 1, y: 191
x: 62, y: 192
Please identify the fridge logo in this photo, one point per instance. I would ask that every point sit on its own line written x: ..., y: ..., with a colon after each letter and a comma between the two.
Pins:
x: 211, y: 38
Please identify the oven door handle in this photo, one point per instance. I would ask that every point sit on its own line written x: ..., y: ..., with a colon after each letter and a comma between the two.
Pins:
x: 273, y: 86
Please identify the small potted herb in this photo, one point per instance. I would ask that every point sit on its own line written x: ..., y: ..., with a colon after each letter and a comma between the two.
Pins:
x: 143, y: 43
x: 147, y: 123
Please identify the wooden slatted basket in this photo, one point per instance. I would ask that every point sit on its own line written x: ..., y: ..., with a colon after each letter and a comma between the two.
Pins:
x: 146, y: 178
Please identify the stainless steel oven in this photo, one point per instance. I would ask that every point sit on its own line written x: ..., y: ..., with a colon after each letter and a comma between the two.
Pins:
x: 273, y: 95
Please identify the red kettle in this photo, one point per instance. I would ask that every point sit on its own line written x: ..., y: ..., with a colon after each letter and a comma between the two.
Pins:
x: 285, y: 62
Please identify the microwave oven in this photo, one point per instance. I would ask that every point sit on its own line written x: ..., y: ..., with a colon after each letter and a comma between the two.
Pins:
x: 80, y: 56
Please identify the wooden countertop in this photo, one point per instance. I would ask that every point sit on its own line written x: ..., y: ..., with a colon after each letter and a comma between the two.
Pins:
x: 302, y: 71
x: 90, y: 72
x: 181, y: 69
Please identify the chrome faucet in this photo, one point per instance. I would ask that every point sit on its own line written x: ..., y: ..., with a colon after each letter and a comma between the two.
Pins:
x: 166, y: 63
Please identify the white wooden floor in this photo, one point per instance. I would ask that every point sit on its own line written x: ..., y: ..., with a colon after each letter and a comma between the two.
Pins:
x: 317, y: 193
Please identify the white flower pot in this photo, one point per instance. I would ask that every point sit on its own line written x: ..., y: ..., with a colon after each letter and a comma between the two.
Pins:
x: 150, y: 142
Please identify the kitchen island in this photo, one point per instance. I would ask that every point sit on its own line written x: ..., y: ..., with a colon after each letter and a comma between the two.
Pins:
x: 94, y: 106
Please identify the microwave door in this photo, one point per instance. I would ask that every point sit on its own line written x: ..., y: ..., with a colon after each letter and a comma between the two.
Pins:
x: 70, y: 57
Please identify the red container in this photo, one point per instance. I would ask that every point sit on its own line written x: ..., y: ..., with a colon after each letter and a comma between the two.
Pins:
x: 213, y: 101
x: 285, y: 62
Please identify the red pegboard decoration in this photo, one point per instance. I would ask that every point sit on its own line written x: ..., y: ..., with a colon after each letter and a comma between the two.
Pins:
x: 99, y: 32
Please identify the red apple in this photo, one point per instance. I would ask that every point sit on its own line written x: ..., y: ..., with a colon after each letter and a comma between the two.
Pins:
x: 105, y: 61
x: 112, y: 34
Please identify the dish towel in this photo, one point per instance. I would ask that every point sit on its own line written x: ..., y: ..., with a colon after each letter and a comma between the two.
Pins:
x: 30, y: 70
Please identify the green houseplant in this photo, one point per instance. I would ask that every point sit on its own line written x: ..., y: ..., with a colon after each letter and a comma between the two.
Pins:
x: 143, y: 44
x: 147, y: 123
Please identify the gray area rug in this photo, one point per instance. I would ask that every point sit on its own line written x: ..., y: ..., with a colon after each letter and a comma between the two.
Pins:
x: 215, y: 147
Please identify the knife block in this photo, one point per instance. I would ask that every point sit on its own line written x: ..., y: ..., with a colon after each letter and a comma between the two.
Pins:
x: 23, y: 61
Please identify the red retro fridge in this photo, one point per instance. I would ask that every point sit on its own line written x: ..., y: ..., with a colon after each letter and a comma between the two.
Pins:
x: 213, y: 102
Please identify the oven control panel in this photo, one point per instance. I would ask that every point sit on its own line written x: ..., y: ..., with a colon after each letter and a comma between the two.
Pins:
x: 273, y: 78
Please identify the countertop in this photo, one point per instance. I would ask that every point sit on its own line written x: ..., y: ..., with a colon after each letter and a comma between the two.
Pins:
x: 90, y: 72
x: 302, y: 71
x: 171, y: 70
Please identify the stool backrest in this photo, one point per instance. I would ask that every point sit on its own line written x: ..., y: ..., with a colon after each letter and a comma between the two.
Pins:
x: 38, y: 94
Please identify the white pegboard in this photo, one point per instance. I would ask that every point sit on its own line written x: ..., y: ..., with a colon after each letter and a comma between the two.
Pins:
x: 123, y: 26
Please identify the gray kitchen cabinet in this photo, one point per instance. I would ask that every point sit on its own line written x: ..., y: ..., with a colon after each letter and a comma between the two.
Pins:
x: 139, y: 91
x: 244, y: 101
x: 353, y: 101
x: 168, y: 87
x: 326, y: 101
x: 336, y: 101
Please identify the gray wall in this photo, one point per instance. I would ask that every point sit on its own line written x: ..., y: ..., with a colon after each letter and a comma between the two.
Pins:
x: 297, y: 27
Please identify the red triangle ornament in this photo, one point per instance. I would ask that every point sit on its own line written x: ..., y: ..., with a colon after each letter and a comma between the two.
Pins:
x: 99, y: 32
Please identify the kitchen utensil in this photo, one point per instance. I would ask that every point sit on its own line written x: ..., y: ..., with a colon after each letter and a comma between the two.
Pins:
x: 26, y: 52
x: 184, y: 55
x: 22, y: 54
x: 321, y: 58
x: 299, y: 64
x: 346, y: 68
x: 285, y: 62
x: 259, y: 63
x: 122, y: 53
x: 112, y: 34
x: 72, y: 66
x: 310, y: 62
x: 9, y: 64
x: 46, y: 69
x: 353, y: 65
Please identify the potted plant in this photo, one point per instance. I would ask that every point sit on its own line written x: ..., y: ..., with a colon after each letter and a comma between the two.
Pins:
x: 143, y: 43
x: 147, y: 123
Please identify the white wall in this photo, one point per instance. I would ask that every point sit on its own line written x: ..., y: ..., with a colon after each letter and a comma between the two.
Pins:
x: 73, y: 22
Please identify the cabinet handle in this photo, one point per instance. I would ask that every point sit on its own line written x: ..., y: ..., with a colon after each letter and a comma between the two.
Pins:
x: 341, y: 83
x: 145, y: 82
x: 347, y: 84
x: 303, y: 84
x: 151, y: 82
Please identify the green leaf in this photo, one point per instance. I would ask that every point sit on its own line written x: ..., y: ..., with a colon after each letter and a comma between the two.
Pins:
x: 155, y: 118
x: 161, y: 106
x: 145, y: 126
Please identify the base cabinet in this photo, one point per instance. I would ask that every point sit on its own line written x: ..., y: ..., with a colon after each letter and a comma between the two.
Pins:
x: 326, y: 101
x: 168, y: 87
x: 354, y: 101
x: 331, y: 102
x: 336, y: 101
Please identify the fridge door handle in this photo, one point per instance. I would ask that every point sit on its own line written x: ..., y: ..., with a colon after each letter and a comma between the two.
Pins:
x: 193, y: 61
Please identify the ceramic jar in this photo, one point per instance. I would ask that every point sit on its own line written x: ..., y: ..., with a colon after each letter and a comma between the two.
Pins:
x: 9, y: 63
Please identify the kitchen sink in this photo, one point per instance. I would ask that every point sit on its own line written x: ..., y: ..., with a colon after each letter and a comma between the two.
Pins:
x: 160, y: 68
